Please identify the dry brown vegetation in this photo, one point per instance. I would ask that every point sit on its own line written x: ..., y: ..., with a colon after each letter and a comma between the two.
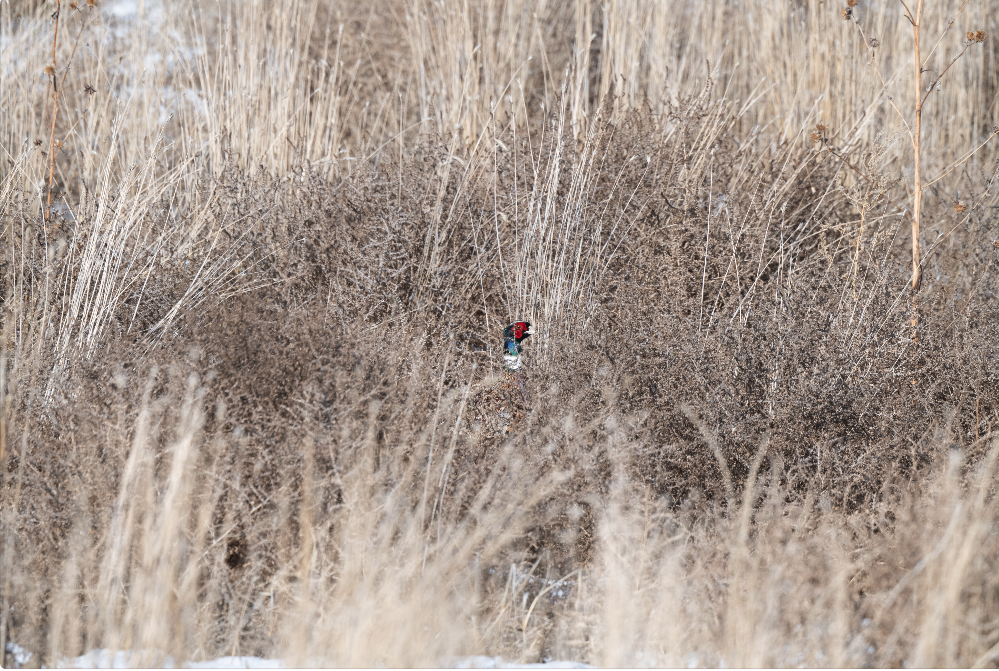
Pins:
x: 250, y: 389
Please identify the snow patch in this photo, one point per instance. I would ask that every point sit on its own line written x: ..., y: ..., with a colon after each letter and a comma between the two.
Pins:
x: 122, y: 659
x: 238, y: 663
x: 21, y: 656
x: 483, y: 662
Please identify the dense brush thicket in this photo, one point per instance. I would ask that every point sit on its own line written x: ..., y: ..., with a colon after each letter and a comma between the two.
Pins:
x: 305, y: 331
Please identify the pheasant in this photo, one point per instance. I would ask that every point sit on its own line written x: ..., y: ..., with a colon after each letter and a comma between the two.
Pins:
x: 505, y: 404
x: 513, y: 335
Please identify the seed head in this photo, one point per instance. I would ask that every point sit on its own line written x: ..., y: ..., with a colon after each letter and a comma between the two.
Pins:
x: 89, y: 90
x: 73, y: 5
x: 960, y: 207
x: 874, y: 43
x: 976, y: 36
x: 91, y: 3
x: 38, y: 143
x: 847, y: 13
x: 851, y: 3
x: 820, y: 127
x: 816, y: 136
x: 49, y: 70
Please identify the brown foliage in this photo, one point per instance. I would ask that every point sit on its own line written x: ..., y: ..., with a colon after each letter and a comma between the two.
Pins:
x: 341, y: 369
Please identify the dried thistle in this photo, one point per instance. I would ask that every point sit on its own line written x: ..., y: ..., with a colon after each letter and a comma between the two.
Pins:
x: 976, y: 36
x: 846, y: 13
x: 851, y: 3
x: 91, y: 3
x: 73, y: 5
x: 49, y: 70
x: 818, y: 133
x: 960, y: 207
x: 89, y: 90
x: 38, y: 143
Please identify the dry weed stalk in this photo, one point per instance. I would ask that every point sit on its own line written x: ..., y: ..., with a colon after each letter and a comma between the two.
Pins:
x: 299, y: 519
x: 915, y: 128
x: 52, y: 72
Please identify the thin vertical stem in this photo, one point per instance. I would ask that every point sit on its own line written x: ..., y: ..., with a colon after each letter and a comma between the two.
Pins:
x: 917, y: 187
x: 860, y: 236
x: 55, y: 110
x: 707, y: 240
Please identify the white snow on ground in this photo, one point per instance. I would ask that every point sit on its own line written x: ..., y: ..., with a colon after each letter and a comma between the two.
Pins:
x: 21, y: 656
x: 99, y: 659
x: 237, y: 663
x: 481, y: 662
x: 122, y: 659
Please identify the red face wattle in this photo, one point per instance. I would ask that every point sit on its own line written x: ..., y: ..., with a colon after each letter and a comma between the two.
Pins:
x: 517, y: 331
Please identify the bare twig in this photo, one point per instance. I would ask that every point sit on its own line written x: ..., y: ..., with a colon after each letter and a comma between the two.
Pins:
x: 944, y: 33
x: 53, y: 146
x: 908, y: 11
x: 55, y: 111
x: 937, y: 80
x: 995, y: 131
x: 917, y: 187
x: 884, y: 194
x: 884, y: 85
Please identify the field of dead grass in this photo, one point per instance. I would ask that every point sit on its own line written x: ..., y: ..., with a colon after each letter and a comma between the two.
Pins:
x: 251, y: 396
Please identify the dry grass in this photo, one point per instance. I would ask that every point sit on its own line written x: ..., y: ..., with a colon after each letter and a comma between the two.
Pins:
x: 250, y: 394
